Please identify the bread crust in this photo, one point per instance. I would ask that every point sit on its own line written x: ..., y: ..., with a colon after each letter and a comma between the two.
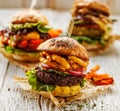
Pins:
x: 29, y: 16
x: 64, y: 46
x: 90, y: 4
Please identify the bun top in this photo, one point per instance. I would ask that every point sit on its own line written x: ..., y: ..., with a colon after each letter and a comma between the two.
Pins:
x: 29, y: 16
x: 88, y: 6
x: 64, y: 46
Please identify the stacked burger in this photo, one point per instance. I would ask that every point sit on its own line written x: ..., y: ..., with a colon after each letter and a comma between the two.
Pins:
x: 61, y: 68
x: 92, y: 25
x: 27, y: 30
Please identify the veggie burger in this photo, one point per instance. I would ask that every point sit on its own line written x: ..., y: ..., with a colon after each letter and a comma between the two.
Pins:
x: 61, y: 67
x: 28, y: 29
x: 92, y: 25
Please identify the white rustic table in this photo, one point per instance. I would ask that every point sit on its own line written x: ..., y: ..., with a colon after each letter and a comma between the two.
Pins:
x: 13, y: 98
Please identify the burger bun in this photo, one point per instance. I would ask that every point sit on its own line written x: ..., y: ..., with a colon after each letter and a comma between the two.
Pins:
x: 64, y: 46
x: 29, y: 16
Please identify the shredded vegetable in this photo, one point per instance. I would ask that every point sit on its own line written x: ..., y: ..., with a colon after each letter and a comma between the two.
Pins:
x: 99, y: 79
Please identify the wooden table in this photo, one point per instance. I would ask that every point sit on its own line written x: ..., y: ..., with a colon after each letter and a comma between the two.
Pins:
x: 13, y: 98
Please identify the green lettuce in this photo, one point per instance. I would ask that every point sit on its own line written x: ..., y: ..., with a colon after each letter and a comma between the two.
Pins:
x: 43, y: 29
x: 36, y: 85
x: 9, y: 49
x: 89, y: 40
x: 16, y: 27
x: 39, y: 27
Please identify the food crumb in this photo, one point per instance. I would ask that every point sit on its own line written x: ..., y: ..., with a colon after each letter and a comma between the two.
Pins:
x: 8, y: 89
x: 102, y: 105
x: 94, y: 105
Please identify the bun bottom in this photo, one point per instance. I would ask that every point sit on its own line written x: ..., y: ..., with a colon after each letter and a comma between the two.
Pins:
x: 98, y: 49
x: 86, y: 92
x: 23, y: 60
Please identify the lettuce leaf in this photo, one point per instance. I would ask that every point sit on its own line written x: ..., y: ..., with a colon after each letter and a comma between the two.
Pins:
x: 43, y: 29
x: 16, y: 27
x: 39, y: 27
x: 80, y: 39
x: 36, y: 85
x: 9, y: 49
x: 89, y: 40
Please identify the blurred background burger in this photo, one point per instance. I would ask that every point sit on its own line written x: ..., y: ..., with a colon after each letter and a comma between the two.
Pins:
x: 27, y: 30
x: 92, y: 24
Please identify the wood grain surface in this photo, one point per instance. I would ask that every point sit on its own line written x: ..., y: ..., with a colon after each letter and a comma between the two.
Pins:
x: 13, y: 98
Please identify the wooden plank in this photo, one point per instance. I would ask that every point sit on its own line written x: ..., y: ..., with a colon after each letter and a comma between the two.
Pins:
x: 3, y: 69
x: 14, y: 98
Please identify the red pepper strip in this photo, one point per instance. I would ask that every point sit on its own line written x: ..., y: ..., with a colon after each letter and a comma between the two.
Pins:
x: 23, y: 44
x: 99, y: 79
x: 105, y: 81
x: 33, y: 44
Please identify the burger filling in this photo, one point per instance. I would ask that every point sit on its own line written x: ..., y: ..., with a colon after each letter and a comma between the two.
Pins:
x: 91, y: 29
x: 25, y: 37
x: 59, y: 74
